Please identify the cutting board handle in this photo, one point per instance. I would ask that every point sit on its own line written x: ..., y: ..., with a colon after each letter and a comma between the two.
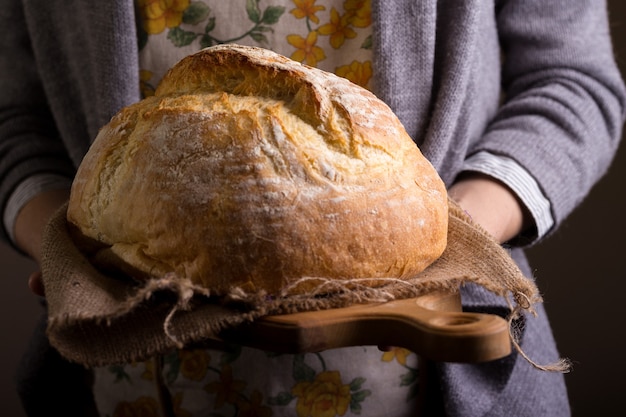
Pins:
x: 433, y: 328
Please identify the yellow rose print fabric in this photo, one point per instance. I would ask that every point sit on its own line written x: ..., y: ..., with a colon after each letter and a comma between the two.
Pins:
x: 334, y: 35
x: 244, y: 382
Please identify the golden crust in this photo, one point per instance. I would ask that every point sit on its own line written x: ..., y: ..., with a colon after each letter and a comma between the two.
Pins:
x: 249, y: 170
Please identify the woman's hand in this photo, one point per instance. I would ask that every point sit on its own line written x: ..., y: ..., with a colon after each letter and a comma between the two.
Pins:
x: 29, y: 228
x: 32, y: 219
x: 491, y: 204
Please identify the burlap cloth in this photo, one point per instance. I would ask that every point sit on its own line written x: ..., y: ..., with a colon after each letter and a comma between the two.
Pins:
x: 97, y: 320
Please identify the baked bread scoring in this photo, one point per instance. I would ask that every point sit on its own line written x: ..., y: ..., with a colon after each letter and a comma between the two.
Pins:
x: 249, y: 170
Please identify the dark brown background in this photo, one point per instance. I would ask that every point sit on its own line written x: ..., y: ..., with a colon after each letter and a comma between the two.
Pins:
x: 581, y: 272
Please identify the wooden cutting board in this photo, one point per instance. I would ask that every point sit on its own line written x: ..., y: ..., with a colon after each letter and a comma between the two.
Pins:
x: 433, y: 326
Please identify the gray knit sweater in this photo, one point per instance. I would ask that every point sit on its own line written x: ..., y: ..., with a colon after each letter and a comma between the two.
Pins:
x: 533, y: 80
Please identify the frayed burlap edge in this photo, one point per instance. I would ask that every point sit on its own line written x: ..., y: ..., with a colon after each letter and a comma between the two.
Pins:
x: 95, y: 320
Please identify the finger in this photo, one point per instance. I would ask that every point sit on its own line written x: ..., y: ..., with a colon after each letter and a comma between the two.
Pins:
x: 35, y: 283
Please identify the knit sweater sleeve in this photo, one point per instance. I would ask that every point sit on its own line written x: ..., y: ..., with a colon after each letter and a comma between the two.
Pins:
x: 29, y: 143
x: 564, y: 106
x: 63, y: 75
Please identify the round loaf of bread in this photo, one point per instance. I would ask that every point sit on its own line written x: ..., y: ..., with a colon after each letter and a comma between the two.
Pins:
x: 249, y: 170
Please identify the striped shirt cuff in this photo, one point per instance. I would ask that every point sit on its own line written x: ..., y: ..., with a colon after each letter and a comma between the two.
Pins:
x: 25, y: 191
x: 520, y: 181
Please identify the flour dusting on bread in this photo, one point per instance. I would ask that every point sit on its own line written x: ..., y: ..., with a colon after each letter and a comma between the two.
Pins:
x: 249, y: 170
